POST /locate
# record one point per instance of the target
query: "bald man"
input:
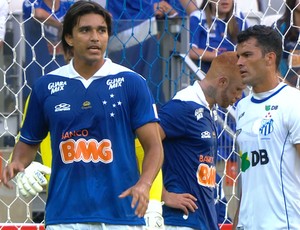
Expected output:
(189, 138)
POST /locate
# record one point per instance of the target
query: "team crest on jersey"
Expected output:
(56, 86)
(266, 125)
(199, 113)
(115, 83)
(86, 105)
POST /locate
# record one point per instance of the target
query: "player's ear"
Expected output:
(223, 81)
(270, 58)
(69, 39)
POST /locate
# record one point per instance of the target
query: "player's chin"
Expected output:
(225, 104)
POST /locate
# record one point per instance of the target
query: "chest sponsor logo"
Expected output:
(206, 175)
(57, 86)
(114, 83)
(86, 150)
(259, 157)
(206, 172)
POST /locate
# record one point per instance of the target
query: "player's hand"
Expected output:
(183, 201)
(9, 172)
(31, 180)
(153, 216)
(140, 197)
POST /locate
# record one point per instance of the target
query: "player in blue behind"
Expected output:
(190, 145)
(93, 109)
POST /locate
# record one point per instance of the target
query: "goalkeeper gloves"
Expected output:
(30, 181)
(153, 216)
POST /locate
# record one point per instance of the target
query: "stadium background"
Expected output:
(177, 71)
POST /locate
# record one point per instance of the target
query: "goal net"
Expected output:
(32, 48)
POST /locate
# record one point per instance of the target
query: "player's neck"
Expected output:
(87, 69)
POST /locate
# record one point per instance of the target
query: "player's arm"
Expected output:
(150, 140)
(153, 216)
(31, 180)
(236, 216)
(23, 155)
(184, 201)
(156, 188)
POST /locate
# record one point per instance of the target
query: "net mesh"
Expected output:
(23, 59)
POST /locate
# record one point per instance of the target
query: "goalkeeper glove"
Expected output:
(30, 181)
(153, 216)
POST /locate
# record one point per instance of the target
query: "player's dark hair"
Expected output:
(73, 15)
(267, 38)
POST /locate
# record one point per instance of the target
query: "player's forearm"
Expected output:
(152, 164)
(150, 140)
(236, 216)
(24, 154)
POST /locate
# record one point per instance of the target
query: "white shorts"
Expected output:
(93, 226)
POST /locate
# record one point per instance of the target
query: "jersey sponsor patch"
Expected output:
(259, 157)
(114, 83)
(86, 150)
(199, 113)
(62, 107)
(56, 86)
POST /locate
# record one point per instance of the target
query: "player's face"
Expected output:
(89, 40)
(232, 93)
(252, 62)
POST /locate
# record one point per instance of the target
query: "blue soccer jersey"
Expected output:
(190, 149)
(92, 125)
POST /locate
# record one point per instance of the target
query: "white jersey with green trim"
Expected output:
(268, 127)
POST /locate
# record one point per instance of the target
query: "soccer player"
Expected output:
(190, 145)
(268, 135)
(93, 109)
